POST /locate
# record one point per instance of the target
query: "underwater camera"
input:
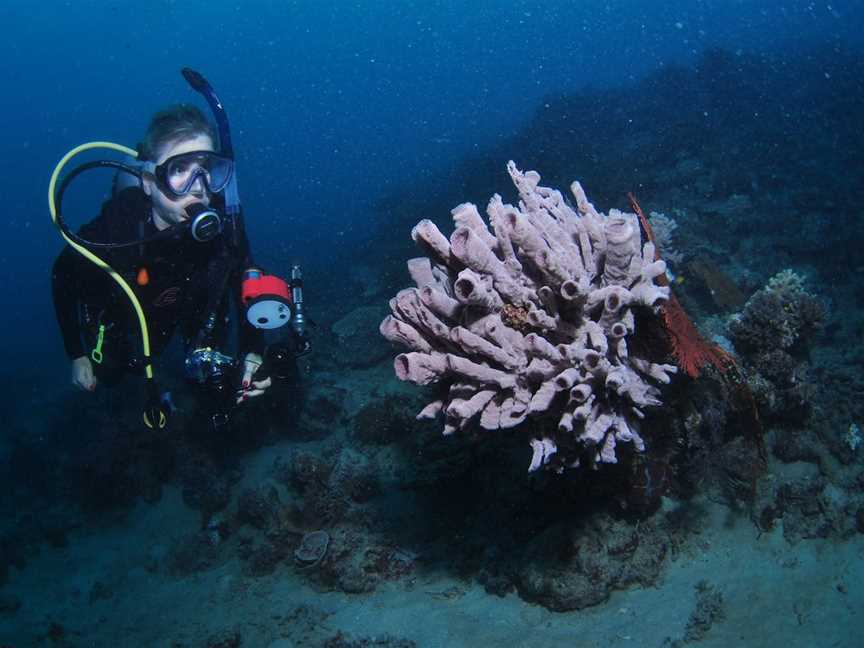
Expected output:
(275, 307)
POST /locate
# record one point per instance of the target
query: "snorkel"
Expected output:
(155, 414)
(232, 195)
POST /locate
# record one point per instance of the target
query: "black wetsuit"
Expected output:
(181, 275)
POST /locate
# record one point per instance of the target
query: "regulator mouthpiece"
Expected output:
(205, 224)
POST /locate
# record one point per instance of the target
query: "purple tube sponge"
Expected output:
(530, 316)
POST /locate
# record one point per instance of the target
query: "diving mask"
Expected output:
(180, 174)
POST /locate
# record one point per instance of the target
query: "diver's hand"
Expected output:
(82, 374)
(251, 388)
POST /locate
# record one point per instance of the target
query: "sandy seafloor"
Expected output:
(775, 594)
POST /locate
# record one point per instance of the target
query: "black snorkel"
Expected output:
(200, 85)
(233, 209)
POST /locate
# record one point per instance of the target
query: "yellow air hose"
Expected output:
(90, 256)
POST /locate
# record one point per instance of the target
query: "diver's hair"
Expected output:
(174, 124)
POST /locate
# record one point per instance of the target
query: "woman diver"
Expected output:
(175, 245)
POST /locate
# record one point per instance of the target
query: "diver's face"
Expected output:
(170, 210)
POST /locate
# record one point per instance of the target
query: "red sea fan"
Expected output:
(692, 352)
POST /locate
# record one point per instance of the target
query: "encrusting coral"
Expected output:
(532, 316)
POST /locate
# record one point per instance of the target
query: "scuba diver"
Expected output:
(169, 252)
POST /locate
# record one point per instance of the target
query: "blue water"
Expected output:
(332, 103)
(334, 106)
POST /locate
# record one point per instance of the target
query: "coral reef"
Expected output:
(590, 562)
(357, 561)
(664, 234)
(535, 317)
(330, 490)
(773, 333)
(312, 514)
(809, 504)
(258, 507)
(780, 316)
(205, 483)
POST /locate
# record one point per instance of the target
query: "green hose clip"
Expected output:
(96, 354)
